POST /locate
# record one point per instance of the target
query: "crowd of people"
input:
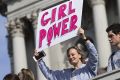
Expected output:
(82, 69)
(24, 74)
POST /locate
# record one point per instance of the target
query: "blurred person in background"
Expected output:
(114, 39)
(26, 74)
(11, 77)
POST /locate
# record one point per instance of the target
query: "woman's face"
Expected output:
(73, 56)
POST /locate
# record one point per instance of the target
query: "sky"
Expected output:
(4, 57)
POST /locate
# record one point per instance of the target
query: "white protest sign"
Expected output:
(58, 24)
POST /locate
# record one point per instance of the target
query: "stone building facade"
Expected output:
(22, 17)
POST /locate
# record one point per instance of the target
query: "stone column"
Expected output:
(118, 4)
(34, 17)
(19, 52)
(100, 23)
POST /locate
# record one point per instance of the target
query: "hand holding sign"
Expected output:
(38, 55)
(81, 33)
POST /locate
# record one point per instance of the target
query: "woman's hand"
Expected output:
(36, 53)
(81, 33)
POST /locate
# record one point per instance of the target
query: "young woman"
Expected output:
(80, 71)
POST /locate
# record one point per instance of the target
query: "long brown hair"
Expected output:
(27, 74)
